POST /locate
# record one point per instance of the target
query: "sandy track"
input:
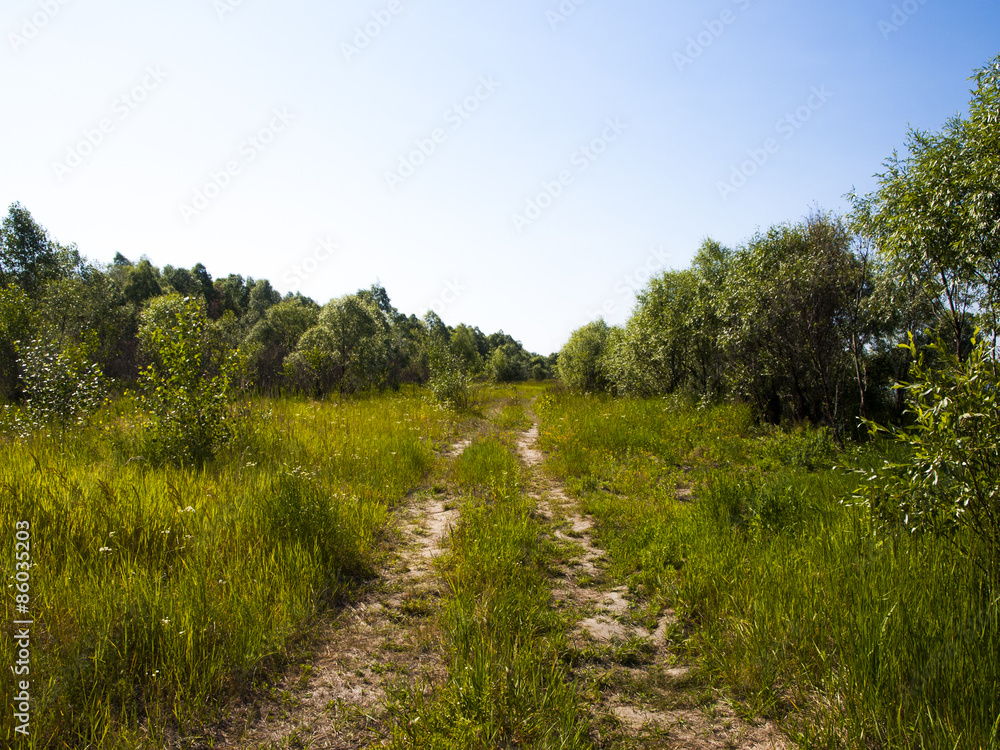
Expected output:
(645, 696)
(642, 695)
(337, 699)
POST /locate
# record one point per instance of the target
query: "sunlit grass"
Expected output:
(848, 638)
(507, 683)
(157, 591)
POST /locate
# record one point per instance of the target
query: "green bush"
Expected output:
(950, 484)
(581, 364)
(188, 387)
(449, 379)
(60, 386)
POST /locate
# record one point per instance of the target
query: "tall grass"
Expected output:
(507, 684)
(158, 591)
(850, 638)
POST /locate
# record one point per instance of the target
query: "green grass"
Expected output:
(848, 638)
(507, 685)
(512, 416)
(159, 591)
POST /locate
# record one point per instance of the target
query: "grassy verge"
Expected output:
(508, 685)
(849, 638)
(158, 591)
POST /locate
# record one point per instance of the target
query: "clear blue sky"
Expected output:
(627, 117)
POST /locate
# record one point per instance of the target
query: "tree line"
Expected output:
(811, 320)
(115, 319)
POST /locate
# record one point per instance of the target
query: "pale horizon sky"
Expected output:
(517, 166)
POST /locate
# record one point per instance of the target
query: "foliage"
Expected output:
(450, 381)
(936, 215)
(950, 479)
(188, 386)
(508, 363)
(787, 299)
(276, 335)
(464, 344)
(581, 360)
(672, 341)
(28, 256)
(91, 310)
(777, 322)
(347, 349)
(60, 386)
(15, 325)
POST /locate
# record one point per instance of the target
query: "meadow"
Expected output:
(162, 594)
(158, 592)
(790, 596)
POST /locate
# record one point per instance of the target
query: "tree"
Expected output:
(261, 297)
(60, 385)
(142, 283)
(349, 347)
(672, 339)
(187, 315)
(936, 216)
(436, 328)
(581, 360)
(509, 363)
(15, 325)
(28, 256)
(540, 368)
(464, 346)
(276, 336)
(91, 311)
(707, 357)
(449, 379)
(654, 353)
(233, 294)
(788, 293)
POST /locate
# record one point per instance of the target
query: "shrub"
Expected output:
(449, 380)
(951, 481)
(188, 387)
(60, 386)
(581, 365)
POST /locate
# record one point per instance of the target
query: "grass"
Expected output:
(847, 637)
(507, 684)
(157, 592)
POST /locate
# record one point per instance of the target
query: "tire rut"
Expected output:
(644, 695)
(337, 698)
